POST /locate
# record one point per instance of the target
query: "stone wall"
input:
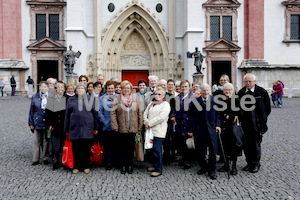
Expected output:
(290, 78)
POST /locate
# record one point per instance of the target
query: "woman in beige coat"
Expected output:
(156, 118)
(126, 119)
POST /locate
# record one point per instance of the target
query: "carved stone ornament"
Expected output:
(136, 61)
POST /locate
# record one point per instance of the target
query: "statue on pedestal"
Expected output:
(69, 59)
(198, 59)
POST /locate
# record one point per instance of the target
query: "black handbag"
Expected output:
(238, 132)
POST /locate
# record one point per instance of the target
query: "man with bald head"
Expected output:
(254, 121)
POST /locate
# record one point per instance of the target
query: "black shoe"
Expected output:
(46, 162)
(212, 175)
(222, 169)
(255, 169)
(123, 170)
(202, 171)
(130, 169)
(56, 165)
(186, 166)
(35, 163)
(233, 171)
(247, 168)
(108, 166)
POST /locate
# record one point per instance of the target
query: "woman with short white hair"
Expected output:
(227, 118)
(156, 117)
(153, 80)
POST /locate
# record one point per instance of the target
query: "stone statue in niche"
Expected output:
(198, 59)
(69, 59)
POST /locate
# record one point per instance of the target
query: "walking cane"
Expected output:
(223, 152)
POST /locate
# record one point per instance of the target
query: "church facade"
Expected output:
(137, 38)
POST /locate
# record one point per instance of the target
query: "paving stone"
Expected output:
(278, 177)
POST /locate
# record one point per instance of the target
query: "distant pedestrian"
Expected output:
(13, 85)
(30, 83)
(279, 94)
(2, 84)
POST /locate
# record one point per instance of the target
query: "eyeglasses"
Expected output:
(158, 94)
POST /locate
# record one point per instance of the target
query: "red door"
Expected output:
(135, 76)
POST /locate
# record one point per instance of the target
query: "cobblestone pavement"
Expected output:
(277, 179)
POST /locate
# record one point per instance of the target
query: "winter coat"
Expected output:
(182, 114)
(157, 116)
(36, 113)
(56, 119)
(80, 124)
(259, 116)
(13, 82)
(202, 121)
(119, 116)
(105, 103)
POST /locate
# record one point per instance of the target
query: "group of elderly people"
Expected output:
(173, 115)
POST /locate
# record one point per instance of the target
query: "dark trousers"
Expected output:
(81, 153)
(252, 147)
(108, 143)
(126, 144)
(158, 153)
(201, 152)
(13, 91)
(57, 146)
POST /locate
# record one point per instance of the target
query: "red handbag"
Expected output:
(97, 156)
(67, 158)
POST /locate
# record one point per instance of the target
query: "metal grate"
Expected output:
(227, 27)
(295, 31)
(54, 27)
(214, 28)
(40, 26)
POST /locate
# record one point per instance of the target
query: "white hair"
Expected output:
(249, 74)
(114, 79)
(152, 77)
(162, 80)
(177, 83)
(204, 85)
(229, 84)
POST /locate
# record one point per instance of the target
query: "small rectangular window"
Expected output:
(214, 28)
(54, 26)
(295, 30)
(227, 27)
(40, 26)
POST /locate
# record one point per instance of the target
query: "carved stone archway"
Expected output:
(135, 18)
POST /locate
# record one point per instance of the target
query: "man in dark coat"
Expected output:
(13, 85)
(254, 122)
(204, 124)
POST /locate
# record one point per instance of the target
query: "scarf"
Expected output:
(44, 100)
(143, 93)
(155, 102)
(127, 102)
(70, 94)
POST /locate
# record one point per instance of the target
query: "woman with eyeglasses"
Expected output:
(126, 120)
(156, 118)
